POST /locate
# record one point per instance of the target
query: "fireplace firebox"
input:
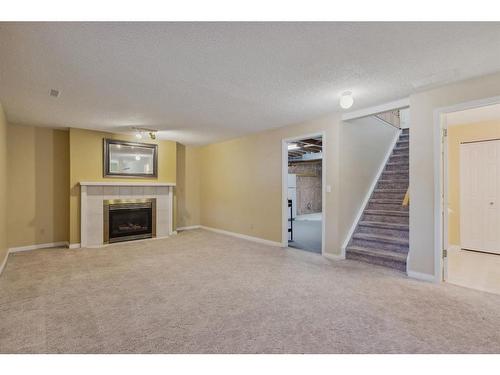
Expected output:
(129, 219)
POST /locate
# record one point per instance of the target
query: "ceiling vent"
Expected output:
(54, 93)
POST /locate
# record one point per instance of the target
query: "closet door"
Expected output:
(479, 196)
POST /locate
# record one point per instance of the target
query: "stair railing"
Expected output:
(406, 200)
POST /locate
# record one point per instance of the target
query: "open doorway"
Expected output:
(471, 197)
(303, 166)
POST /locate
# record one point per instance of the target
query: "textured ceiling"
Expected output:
(202, 82)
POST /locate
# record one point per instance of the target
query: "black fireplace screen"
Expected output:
(128, 221)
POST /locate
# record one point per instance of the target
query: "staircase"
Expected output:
(382, 235)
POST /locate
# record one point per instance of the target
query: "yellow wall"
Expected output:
(456, 135)
(3, 186)
(38, 179)
(188, 186)
(86, 164)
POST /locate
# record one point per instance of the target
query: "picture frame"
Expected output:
(129, 159)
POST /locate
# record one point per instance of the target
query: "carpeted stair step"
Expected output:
(404, 138)
(386, 216)
(385, 201)
(391, 190)
(389, 193)
(396, 176)
(397, 173)
(372, 240)
(377, 256)
(392, 183)
(387, 204)
(384, 229)
(401, 151)
(399, 158)
(396, 166)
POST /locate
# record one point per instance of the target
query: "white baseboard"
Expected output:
(19, 249)
(74, 246)
(36, 247)
(334, 256)
(4, 262)
(242, 236)
(370, 192)
(189, 227)
(421, 276)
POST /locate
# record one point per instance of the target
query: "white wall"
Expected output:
(422, 204)
(363, 147)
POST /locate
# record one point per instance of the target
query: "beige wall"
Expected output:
(38, 178)
(365, 143)
(86, 164)
(423, 105)
(3, 186)
(456, 135)
(188, 186)
(241, 179)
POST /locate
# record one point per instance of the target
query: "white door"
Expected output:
(480, 196)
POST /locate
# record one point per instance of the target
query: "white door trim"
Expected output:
(441, 177)
(284, 187)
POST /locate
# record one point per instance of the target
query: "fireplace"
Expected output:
(129, 219)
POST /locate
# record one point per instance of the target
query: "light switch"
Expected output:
(328, 188)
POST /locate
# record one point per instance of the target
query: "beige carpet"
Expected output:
(201, 292)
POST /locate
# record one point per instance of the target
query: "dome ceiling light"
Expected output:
(346, 100)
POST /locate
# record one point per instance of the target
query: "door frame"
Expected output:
(441, 180)
(284, 186)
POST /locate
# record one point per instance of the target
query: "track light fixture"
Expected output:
(139, 133)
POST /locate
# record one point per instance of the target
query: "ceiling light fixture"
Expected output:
(140, 132)
(346, 100)
(137, 157)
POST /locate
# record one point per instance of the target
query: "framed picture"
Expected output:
(130, 159)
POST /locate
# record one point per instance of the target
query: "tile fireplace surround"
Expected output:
(93, 195)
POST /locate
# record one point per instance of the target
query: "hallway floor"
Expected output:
(474, 269)
(306, 235)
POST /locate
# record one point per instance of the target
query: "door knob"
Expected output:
(492, 203)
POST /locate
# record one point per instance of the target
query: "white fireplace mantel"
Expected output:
(119, 183)
(94, 193)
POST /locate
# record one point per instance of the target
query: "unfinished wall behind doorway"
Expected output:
(308, 186)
